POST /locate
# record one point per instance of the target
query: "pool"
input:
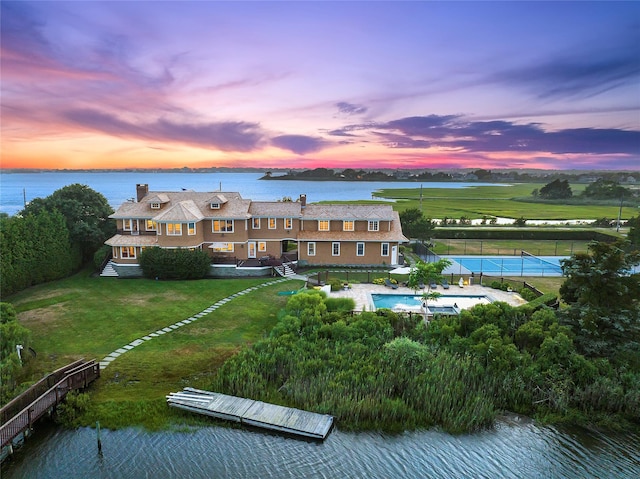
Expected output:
(506, 265)
(445, 304)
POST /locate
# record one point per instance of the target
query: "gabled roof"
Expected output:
(392, 234)
(159, 198)
(183, 211)
(219, 199)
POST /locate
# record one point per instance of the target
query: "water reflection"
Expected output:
(508, 451)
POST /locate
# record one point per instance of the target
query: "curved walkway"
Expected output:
(137, 342)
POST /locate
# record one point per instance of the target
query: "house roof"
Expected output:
(198, 206)
(281, 209)
(348, 212)
(183, 211)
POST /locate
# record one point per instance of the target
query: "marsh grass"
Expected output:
(502, 201)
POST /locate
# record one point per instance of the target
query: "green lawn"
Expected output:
(501, 201)
(85, 316)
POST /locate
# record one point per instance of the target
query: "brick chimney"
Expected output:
(142, 191)
(303, 201)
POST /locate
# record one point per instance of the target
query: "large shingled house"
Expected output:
(245, 237)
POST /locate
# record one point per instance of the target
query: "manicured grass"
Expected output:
(90, 317)
(501, 201)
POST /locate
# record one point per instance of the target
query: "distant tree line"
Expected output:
(52, 237)
(601, 189)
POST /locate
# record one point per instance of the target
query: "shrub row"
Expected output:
(523, 234)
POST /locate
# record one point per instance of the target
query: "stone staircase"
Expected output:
(109, 271)
(285, 270)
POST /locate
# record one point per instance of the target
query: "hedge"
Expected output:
(523, 234)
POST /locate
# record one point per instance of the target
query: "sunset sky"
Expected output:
(363, 84)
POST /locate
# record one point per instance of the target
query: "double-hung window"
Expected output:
(223, 226)
(151, 225)
(262, 246)
(311, 248)
(359, 248)
(374, 225)
(255, 223)
(174, 229)
(128, 252)
(127, 224)
(348, 225)
(191, 228)
(335, 248)
(323, 225)
(272, 223)
(288, 223)
(384, 249)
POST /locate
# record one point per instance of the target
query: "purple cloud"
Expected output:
(300, 144)
(350, 108)
(225, 136)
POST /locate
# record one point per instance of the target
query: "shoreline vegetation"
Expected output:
(370, 371)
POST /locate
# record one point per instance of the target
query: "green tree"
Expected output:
(603, 298)
(424, 273)
(556, 190)
(634, 233)
(415, 225)
(86, 213)
(180, 263)
(606, 190)
(12, 334)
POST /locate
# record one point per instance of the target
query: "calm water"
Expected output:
(509, 451)
(119, 187)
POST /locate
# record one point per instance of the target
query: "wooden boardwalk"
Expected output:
(253, 413)
(19, 415)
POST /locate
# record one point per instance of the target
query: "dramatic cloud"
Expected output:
(453, 132)
(300, 144)
(224, 136)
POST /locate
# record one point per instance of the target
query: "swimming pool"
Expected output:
(506, 265)
(449, 304)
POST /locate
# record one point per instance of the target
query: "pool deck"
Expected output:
(361, 293)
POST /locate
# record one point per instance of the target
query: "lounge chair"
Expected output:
(389, 284)
(433, 285)
(421, 285)
(445, 284)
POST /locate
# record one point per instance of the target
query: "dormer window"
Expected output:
(155, 206)
(215, 206)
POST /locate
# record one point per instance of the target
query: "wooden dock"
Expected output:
(253, 413)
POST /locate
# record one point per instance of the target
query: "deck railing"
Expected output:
(76, 375)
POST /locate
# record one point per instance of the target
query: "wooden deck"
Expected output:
(253, 413)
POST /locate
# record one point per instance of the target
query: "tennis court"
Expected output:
(525, 265)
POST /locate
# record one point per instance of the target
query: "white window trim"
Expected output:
(382, 246)
(122, 248)
(288, 223)
(124, 224)
(155, 206)
(275, 223)
(333, 248)
(358, 248)
(262, 246)
(311, 248)
(324, 221)
(254, 222)
(154, 225)
(215, 206)
(189, 228)
(226, 250)
(344, 225)
(179, 228)
(374, 225)
(213, 226)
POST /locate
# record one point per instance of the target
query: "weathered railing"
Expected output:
(77, 375)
